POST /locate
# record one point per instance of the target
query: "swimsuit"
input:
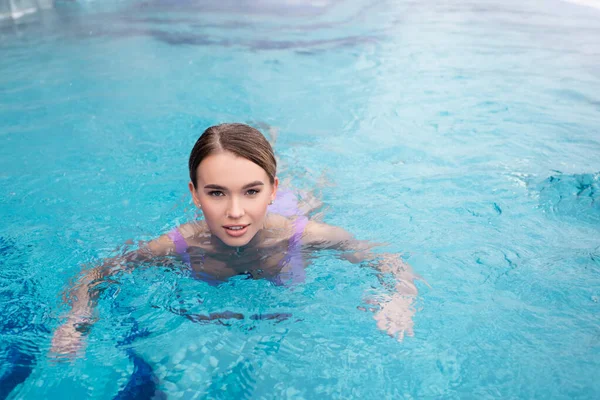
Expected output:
(292, 265)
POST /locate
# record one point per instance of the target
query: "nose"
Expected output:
(235, 208)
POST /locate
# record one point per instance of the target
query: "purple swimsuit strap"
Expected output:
(296, 239)
(292, 270)
(181, 245)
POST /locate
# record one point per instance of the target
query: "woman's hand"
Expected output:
(67, 341)
(395, 312)
(395, 316)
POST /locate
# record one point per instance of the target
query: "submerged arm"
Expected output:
(396, 310)
(84, 294)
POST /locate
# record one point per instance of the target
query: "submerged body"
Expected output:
(233, 182)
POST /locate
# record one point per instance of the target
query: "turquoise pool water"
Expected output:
(465, 135)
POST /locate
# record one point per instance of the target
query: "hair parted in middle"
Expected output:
(240, 139)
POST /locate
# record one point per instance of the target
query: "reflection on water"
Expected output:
(263, 25)
(15, 9)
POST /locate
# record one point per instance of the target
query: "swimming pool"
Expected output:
(464, 135)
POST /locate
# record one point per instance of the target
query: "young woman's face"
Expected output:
(233, 193)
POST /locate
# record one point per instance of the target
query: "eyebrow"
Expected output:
(249, 185)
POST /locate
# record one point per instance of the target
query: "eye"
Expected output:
(252, 192)
(216, 193)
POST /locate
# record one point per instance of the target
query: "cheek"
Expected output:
(259, 208)
(210, 210)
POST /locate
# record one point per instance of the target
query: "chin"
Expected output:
(236, 242)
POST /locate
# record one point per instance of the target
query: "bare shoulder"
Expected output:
(193, 229)
(164, 245)
(194, 233)
(317, 233)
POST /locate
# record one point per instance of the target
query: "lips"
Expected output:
(236, 230)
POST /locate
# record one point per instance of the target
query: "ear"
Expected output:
(275, 186)
(194, 194)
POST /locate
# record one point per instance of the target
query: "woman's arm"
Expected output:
(396, 310)
(84, 294)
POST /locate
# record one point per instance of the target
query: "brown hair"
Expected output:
(239, 139)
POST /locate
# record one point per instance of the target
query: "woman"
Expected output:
(233, 181)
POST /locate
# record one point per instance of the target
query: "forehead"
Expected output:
(229, 170)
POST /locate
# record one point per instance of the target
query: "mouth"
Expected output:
(236, 230)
